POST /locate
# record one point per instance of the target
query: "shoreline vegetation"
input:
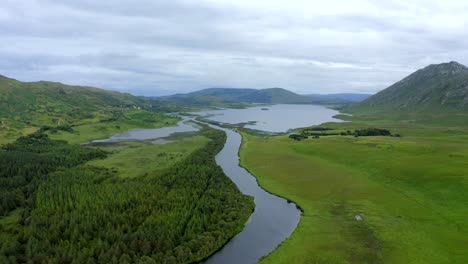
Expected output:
(363, 205)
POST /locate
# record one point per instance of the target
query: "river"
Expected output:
(274, 218)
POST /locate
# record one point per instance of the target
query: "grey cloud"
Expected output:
(161, 47)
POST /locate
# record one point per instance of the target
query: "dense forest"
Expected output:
(70, 212)
(30, 158)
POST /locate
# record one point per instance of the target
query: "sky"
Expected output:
(159, 47)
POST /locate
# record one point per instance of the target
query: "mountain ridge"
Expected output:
(214, 96)
(434, 88)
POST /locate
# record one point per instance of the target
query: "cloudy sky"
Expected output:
(156, 47)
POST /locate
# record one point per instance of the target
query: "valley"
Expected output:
(376, 181)
(233, 132)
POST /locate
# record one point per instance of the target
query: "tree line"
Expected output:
(316, 132)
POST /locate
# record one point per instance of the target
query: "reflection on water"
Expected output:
(278, 118)
(273, 220)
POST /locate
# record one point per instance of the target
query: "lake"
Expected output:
(151, 133)
(278, 118)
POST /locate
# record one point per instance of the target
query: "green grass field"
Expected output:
(411, 193)
(9, 133)
(133, 159)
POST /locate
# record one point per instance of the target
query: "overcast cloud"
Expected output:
(156, 47)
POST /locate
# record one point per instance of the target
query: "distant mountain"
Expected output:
(206, 97)
(342, 97)
(219, 96)
(435, 88)
(51, 103)
(275, 96)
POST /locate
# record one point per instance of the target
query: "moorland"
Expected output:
(373, 198)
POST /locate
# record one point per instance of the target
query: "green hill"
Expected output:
(276, 96)
(27, 106)
(226, 96)
(439, 88)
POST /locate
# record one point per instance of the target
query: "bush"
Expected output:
(371, 132)
(297, 137)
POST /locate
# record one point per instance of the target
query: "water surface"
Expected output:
(273, 220)
(152, 133)
(278, 118)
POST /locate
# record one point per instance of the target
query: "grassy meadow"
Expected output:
(410, 193)
(134, 159)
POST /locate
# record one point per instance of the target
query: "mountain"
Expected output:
(25, 105)
(434, 89)
(275, 96)
(342, 97)
(220, 96)
(206, 97)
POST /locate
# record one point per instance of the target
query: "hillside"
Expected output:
(223, 96)
(436, 88)
(275, 96)
(26, 106)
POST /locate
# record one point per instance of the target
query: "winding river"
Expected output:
(274, 218)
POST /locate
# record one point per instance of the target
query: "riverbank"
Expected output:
(272, 221)
(399, 187)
